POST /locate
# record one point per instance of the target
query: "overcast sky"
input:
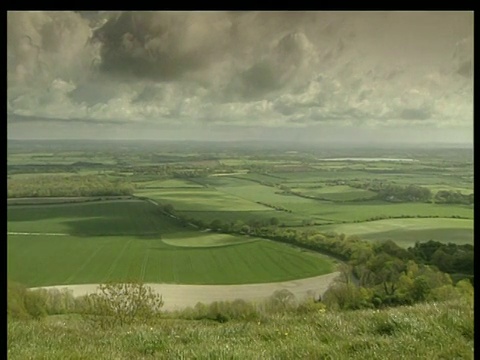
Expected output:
(303, 76)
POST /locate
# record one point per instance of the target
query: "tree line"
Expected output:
(67, 186)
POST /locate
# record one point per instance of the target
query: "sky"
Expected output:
(308, 76)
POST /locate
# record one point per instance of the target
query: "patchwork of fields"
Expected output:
(95, 241)
(232, 198)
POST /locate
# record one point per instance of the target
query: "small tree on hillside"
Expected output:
(123, 303)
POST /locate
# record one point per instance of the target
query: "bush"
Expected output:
(16, 301)
(222, 311)
(121, 304)
(36, 303)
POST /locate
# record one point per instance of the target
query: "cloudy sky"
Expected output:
(303, 76)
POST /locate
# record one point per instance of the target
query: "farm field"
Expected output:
(169, 183)
(405, 232)
(239, 188)
(201, 199)
(336, 192)
(98, 242)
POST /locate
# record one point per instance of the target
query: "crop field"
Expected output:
(232, 198)
(338, 212)
(169, 183)
(367, 210)
(463, 190)
(201, 199)
(405, 232)
(97, 242)
(336, 193)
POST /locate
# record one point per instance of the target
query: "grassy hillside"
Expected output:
(442, 330)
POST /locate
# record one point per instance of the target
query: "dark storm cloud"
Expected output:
(158, 46)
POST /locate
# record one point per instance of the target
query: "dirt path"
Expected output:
(181, 296)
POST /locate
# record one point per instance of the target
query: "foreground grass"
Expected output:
(424, 331)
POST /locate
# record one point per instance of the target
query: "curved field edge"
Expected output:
(124, 240)
(179, 296)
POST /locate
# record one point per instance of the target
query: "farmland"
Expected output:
(216, 193)
(105, 241)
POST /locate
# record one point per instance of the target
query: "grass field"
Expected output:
(336, 193)
(169, 183)
(231, 198)
(132, 239)
(405, 232)
(200, 200)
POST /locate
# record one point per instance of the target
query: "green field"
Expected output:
(336, 193)
(246, 188)
(200, 200)
(169, 183)
(120, 240)
(405, 232)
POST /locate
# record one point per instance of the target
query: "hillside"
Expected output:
(435, 330)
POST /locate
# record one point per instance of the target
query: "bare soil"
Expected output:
(178, 297)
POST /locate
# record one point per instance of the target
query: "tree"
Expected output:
(274, 221)
(216, 224)
(123, 303)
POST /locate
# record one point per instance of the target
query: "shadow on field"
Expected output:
(140, 220)
(118, 226)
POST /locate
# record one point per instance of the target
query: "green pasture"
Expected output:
(227, 194)
(253, 192)
(337, 193)
(464, 190)
(168, 183)
(201, 199)
(405, 232)
(121, 240)
(367, 210)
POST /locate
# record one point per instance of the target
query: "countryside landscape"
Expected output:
(305, 194)
(181, 214)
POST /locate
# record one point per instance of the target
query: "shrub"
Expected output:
(16, 301)
(121, 304)
(36, 303)
(280, 301)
